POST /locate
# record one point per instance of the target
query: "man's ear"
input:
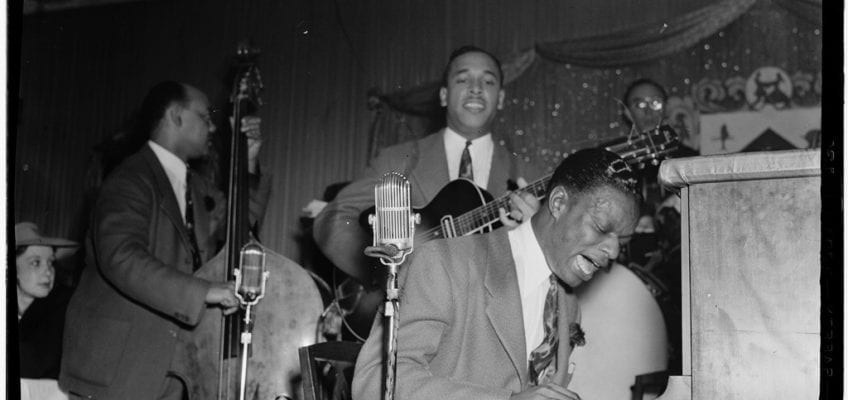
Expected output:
(443, 96)
(174, 115)
(501, 95)
(558, 202)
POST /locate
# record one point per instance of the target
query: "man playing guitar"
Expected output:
(472, 92)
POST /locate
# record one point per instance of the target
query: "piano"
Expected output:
(751, 242)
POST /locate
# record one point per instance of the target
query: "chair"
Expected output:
(653, 383)
(327, 369)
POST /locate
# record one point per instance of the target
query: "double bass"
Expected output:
(210, 357)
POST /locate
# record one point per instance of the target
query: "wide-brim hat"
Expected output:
(27, 234)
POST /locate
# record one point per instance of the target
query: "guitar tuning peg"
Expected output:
(655, 162)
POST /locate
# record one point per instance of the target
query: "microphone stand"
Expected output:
(393, 225)
(391, 313)
(391, 257)
(248, 295)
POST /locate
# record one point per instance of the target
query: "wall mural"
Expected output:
(771, 110)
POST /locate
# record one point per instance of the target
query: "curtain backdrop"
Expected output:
(330, 65)
(562, 95)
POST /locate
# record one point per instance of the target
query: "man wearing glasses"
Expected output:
(155, 222)
(645, 100)
(651, 244)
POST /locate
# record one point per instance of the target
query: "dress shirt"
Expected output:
(175, 169)
(533, 275)
(481, 155)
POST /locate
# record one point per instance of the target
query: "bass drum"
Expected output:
(625, 335)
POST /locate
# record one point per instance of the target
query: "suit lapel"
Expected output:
(500, 171)
(201, 216)
(166, 192)
(505, 301)
(431, 171)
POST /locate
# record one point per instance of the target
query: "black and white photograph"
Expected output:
(424, 200)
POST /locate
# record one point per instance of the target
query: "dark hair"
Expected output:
(644, 81)
(470, 49)
(625, 114)
(20, 250)
(588, 169)
(158, 99)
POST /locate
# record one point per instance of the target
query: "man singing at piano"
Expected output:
(494, 316)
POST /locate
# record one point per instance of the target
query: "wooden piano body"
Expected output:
(751, 242)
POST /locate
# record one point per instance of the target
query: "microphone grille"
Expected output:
(393, 212)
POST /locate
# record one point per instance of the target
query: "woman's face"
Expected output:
(35, 271)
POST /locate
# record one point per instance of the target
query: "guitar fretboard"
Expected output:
(488, 213)
(485, 215)
(647, 146)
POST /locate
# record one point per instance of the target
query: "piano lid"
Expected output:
(679, 172)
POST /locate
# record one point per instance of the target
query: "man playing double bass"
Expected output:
(155, 222)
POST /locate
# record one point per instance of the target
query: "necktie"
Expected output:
(465, 170)
(189, 220)
(543, 357)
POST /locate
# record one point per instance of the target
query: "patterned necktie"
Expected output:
(465, 170)
(189, 220)
(543, 358)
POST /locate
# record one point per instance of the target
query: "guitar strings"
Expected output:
(486, 214)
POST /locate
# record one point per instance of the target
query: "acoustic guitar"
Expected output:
(463, 208)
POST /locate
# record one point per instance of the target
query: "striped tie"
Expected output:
(465, 170)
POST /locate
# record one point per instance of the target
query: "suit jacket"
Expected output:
(138, 289)
(460, 332)
(337, 230)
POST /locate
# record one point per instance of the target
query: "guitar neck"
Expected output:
(488, 214)
(635, 150)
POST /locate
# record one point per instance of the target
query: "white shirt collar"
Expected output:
(533, 274)
(481, 150)
(531, 266)
(175, 169)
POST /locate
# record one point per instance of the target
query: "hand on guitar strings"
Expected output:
(223, 295)
(522, 205)
(250, 127)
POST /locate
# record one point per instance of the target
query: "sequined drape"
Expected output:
(562, 95)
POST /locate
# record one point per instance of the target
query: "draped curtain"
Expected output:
(84, 71)
(646, 42)
(561, 95)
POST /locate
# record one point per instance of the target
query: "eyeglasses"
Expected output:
(653, 103)
(207, 116)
